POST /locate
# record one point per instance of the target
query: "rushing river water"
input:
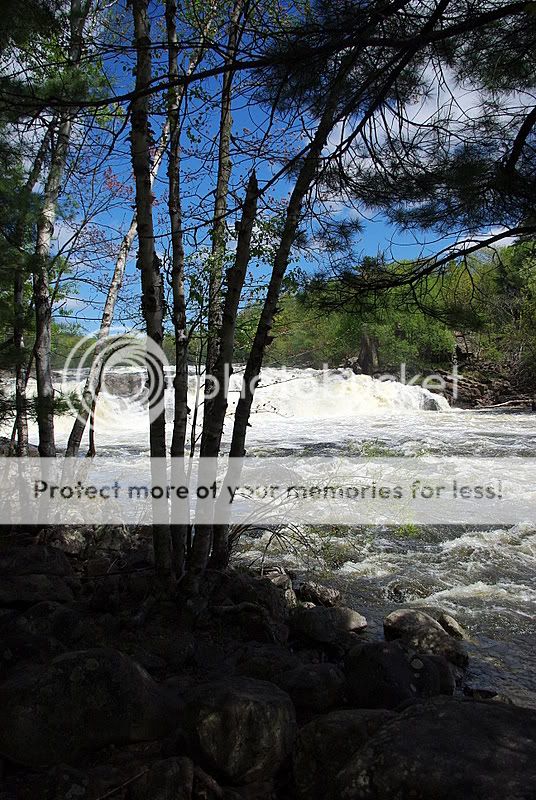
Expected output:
(485, 577)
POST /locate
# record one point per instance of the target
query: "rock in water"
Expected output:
(78, 703)
(326, 625)
(444, 749)
(242, 729)
(317, 593)
(385, 674)
(421, 632)
(324, 746)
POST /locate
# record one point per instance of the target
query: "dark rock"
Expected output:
(20, 646)
(33, 560)
(6, 448)
(98, 566)
(25, 591)
(278, 576)
(424, 634)
(384, 675)
(430, 404)
(317, 593)
(325, 745)
(326, 625)
(79, 703)
(168, 779)
(265, 662)
(67, 783)
(315, 687)
(52, 619)
(241, 729)
(487, 694)
(443, 749)
(68, 539)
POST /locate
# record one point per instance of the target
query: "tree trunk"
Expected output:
(93, 381)
(45, 231)
(213, 429)
(262, 335)
(21, 417)
(220, 203)
(152, 300)
(180, 508)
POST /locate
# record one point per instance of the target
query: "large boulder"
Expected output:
(326, 625)
(421, 632)
(240, 729)
(33, 560)
(24, 591)
(443, 749)
(317, 593)
(314, 687)
(386, 674)
(325, 745)
(264, 661)
(167, 779)
(78, 703)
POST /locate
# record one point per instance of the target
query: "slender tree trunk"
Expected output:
(45, 231)
(93, 381)
(220, 203)
(213, 429)
(262, 335)
(19, 317)
(151, 277)
(179, 507)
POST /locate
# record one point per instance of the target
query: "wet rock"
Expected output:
(168, 779)
(452, 626)
(314, 687)
(430, 403)
(326, 625)
(384, 675)
(487, 694)
(278, 576)
(34, 560)
(325, 745)
(25, 591)
(421, 632)
(78, 703)
(317, 593)
(239, 728)
(443, 749)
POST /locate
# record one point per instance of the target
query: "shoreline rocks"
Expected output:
(263, 688)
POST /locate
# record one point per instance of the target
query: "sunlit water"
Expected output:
(486, 578)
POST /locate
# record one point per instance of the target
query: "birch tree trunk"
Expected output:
(93, 381)
(45, 231)
(21, 416)
(152, 300)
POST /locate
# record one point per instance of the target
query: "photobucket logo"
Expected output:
(127, 365)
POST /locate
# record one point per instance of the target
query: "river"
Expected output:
(485, 577)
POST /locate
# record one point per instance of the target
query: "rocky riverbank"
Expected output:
(262, 688)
